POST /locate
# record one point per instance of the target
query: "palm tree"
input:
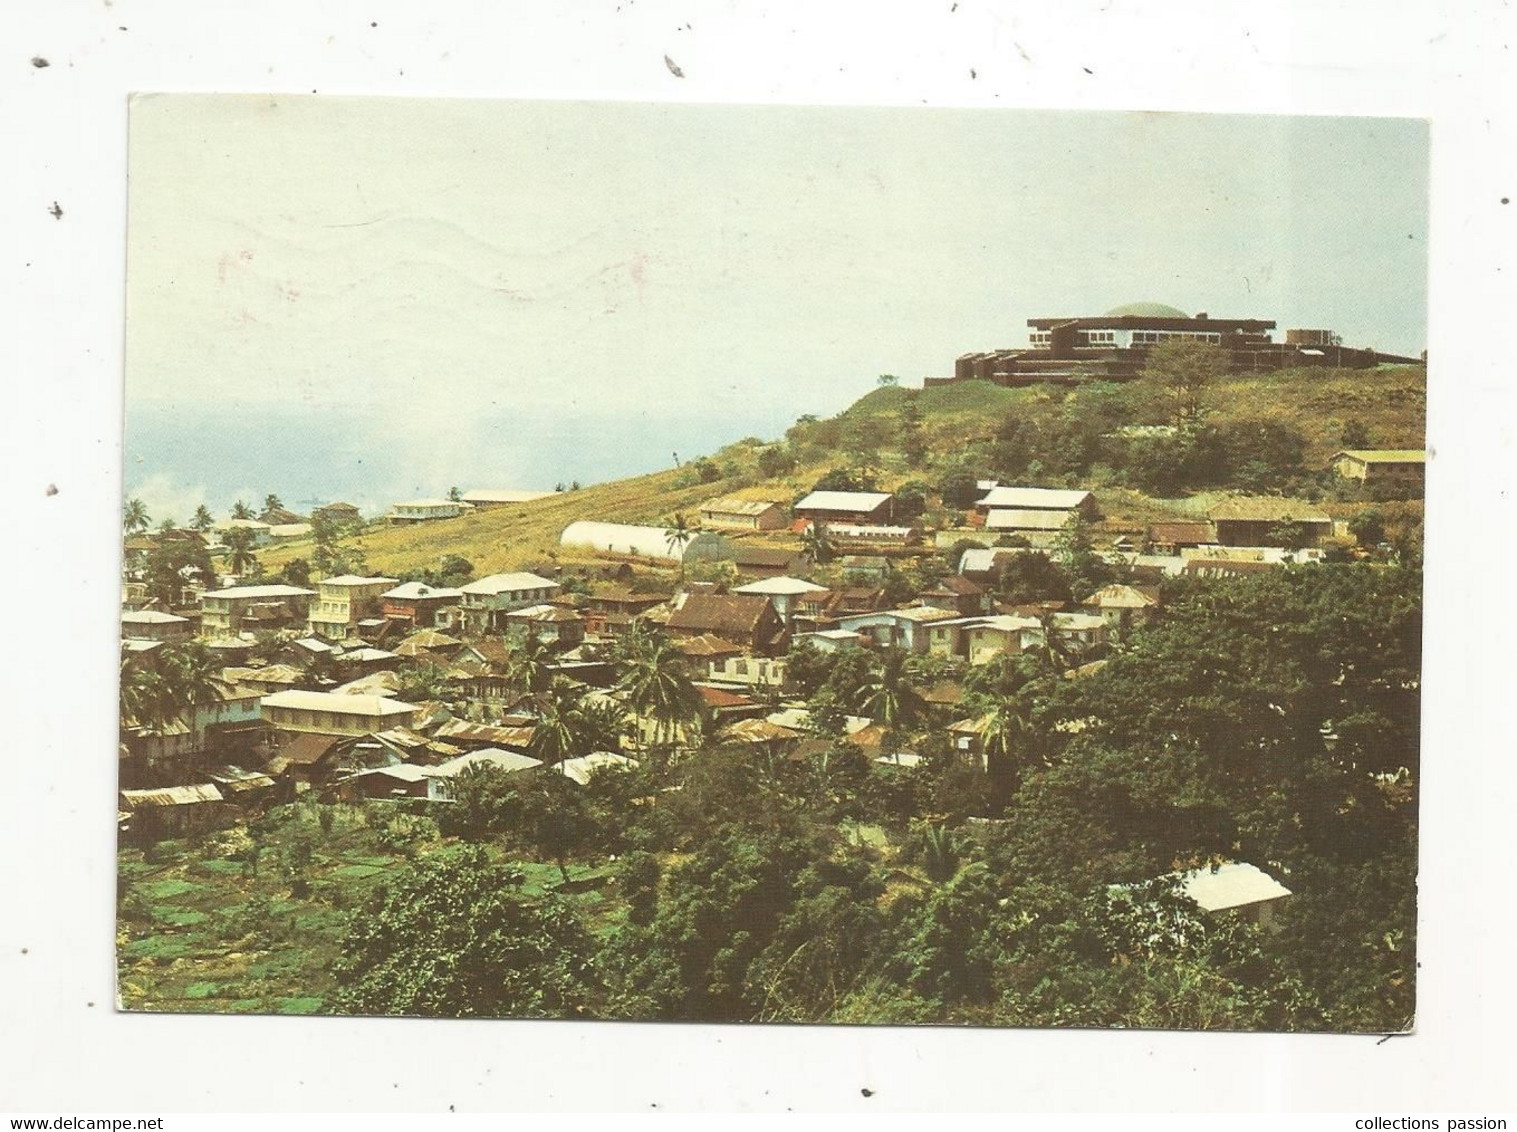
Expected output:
(658, 687)
(134, 517)
(241, 510)
(239, 541)
(196, 680)
(555, 737)
(203, 520)
(889, 697)
(816, 542)
(529, 672)
(601, 724)
(677, 537)
(272, 502)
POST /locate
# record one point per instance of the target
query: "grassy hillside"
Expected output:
(958, 426)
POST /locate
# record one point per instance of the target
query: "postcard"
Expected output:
(771, 564)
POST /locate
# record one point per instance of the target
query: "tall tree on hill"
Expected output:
(528, 666)
(196, 678)
(134, 517)
(203, 520)
(241, 510)
(239, 541)
(272, 502)
(890, 698)
(1181, 371)
(555, 736)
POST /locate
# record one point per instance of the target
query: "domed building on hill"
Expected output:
(1113, 347)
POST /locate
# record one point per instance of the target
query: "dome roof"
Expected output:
(1145, 310)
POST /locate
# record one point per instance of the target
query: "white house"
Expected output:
(425, 510)
(784, 593)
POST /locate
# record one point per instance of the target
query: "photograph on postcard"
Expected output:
(771, 564)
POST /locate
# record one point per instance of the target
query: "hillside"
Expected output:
(958, 430)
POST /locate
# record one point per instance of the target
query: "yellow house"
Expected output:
(336, 713)
(342, 602)
(1403, 467)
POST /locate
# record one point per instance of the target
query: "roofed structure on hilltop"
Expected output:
(1255, 521)
(1114, 347)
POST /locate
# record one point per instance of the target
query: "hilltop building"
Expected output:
(1114, 346)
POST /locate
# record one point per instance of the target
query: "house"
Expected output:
(443, 779)
(1245, 521)
(610, 612)
(487, 736)
(484, 498)
(257, 531)
(486, 602)
(896, 628)
(280, 517)
(343, 602)
(580, 769)
(1039, 499)
(830, 640)
(415, 604)
(749, 620)
(957, 593)
(752, 671)
(984, 639)
(429, 644)
(645, 542)
(767, 561)
(152, 625)
(707, 653)
(1172, 537)
(227, 612)
(425, 511)
(1029, 524)
(1124, 607)
(861, 508)
(342, 516)
(1235, 887)
(784, 592)
(873, 533)
(865, 568)
(552, 624)
(396, 780)
(1401, 468)
(743, 514)
(728, 707)
(984, 563)
(331, 713)
(172, 811)
(281, 533)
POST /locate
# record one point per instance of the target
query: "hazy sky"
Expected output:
(436, 258)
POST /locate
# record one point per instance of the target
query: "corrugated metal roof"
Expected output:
(170, 796)
(842, 501)
(1232, 884)
(781, 586)
(338, 703)
(508, 761)
(246, 593)
(754, 507)
(412, 591)
(1035, 498)
(508, 583)
(579, 769)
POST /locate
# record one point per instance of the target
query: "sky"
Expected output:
(403, 295)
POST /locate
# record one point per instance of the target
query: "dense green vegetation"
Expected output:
(1271, 719)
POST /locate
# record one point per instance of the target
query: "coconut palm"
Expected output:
(889, 697)
(203, 520)
(196, 680)
(241, 510)
(528, 671)
(134, 517)
(239, 541)
(272, 502)
(602, 724)
(556, 736)
(677, 537)
(658, 687)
